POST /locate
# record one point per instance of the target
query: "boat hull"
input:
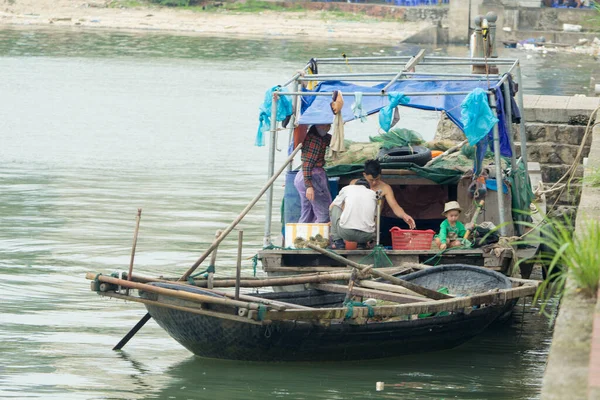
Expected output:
(304, 341)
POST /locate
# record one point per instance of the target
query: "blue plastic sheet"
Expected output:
(477, 116)
(284, 109)
(386, 113)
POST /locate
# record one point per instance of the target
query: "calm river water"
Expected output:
(94, 125)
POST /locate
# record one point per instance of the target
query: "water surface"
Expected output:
(93, 125)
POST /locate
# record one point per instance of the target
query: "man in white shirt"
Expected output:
(352, 215)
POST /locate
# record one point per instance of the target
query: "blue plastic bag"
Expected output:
(476, 116)
(386, 113)
(284, 109)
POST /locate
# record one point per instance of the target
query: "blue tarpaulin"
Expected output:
(319, 111)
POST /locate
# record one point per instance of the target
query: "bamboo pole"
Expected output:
(277, 305)
(444, 154)
(459, 304)
(213, 260)
(238, 269)
(186, 309)
(373, 293)
(241, 215)
(387, 287)
(135, 237)
(200, 298)
(415, 288)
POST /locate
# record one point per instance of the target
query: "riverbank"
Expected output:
(301, 25)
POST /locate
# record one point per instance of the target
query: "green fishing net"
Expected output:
(377, 258)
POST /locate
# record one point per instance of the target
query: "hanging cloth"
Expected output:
(357, 107)
(387, 113)
(284, 110)
(476, 116)
(337, 140)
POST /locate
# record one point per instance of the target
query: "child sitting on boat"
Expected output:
(452, 231)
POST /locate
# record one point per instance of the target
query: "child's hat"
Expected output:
(451, 205)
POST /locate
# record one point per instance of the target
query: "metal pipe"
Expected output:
(385, 74)
(375, 79)
(522, 134)
(498, 165)
(296, 76)
(376, 58)
(509, 62)
(508, 117)
(373, 94)
(270, 170)
(292, 121)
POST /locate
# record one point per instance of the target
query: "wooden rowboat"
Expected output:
(322, 328)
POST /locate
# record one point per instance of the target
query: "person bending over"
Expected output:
(312, 184)
(372, 174)
(353, 214)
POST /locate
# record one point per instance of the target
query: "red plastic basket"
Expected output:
(404, 239)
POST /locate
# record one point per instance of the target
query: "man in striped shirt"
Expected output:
(312, 183)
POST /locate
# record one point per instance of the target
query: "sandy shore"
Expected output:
(309, 25)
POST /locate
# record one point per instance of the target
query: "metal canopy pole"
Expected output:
(498, 164)
(522, 134)
(409, 65)
(271, 170)
(293, 119)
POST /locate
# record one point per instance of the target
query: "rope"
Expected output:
(262, 310)
(96, 283)
(211, 268)
(351, 304)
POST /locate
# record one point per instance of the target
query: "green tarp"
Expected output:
(441, 176)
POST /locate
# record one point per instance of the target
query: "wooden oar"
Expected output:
(432, 294)
(215, 244)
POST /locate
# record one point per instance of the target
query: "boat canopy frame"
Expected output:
(406, 73)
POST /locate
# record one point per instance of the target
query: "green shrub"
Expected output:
(576, 257)
(172, 3)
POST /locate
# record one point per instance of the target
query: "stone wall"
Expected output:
(555, 127)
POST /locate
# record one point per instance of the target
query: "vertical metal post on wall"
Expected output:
(498, 165)
(271, 170)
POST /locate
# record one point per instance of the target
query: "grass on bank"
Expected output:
(567, 255)
(248, 6)
(593, 178)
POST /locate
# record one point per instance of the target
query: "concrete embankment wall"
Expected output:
(573, 368)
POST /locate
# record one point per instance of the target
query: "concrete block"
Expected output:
(552, 109)
(583, 105)
(530, 100)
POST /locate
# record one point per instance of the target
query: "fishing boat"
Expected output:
(421, 185)
(319, 304)
(319, 324)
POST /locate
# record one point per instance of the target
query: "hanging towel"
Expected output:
(357, 107)
(476, 116)
(284, 109)
(337, 140)
(386, 114)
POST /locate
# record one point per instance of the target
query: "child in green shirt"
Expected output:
(451, 230)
